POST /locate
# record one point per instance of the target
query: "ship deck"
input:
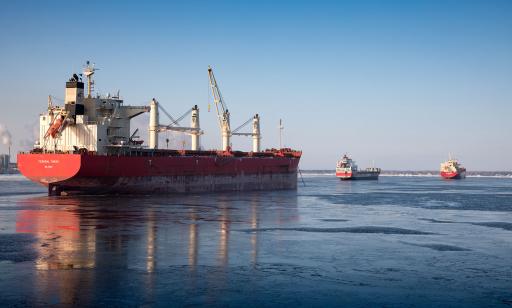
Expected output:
(142, 152)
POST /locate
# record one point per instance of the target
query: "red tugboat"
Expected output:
(452, 169)
(346, 169)
(86, 146)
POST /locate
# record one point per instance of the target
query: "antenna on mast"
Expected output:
(89, 70)
(50, 103)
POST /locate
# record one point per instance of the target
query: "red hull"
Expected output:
(344, 175)
(147, 174)
(453, 175)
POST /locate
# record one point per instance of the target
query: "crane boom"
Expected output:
(224, 122)
(222, 111)
(220, 105)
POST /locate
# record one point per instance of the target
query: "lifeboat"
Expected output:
(54, 128)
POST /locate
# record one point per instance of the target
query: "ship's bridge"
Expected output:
(90, 123)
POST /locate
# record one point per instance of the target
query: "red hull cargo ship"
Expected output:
(86, 146)
(452, 170)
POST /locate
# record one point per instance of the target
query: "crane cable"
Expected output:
(168, 114)
(208, 97)
(241, 126)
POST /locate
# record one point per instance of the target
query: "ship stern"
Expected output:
(48, 169)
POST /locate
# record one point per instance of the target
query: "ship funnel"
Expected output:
(153, 124)
(74, 98)
(74, 90)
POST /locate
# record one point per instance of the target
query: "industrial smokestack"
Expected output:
(6, 138)
(5, 135)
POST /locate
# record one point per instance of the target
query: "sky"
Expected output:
(398, 83)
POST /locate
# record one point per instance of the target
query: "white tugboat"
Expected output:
(346, 169)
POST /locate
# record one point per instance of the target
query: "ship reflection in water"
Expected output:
(393, 242)
(85, 244)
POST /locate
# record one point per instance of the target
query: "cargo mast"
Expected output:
(154, 125)
(88, 72)
(224, 120)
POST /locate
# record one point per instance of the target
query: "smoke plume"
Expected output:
(5, 135)
(32, 130)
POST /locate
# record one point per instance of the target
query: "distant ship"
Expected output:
(452, 169)
(346, 169)
(87, 146)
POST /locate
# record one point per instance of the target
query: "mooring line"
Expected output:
(300, 172)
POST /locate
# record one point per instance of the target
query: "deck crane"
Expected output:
(224, 119)
(154, 125)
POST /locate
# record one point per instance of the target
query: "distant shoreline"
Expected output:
(504, 174)
(398, 173)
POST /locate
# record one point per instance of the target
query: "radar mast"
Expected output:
(89, 70)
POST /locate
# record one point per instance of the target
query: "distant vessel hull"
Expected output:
(346, 169)
(99, 174)
(453, 175)
(360, 175)
(452, 169)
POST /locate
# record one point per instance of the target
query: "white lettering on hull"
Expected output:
(48, 163)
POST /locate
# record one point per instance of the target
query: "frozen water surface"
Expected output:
(399, 241)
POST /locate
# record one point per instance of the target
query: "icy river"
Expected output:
(399, 241)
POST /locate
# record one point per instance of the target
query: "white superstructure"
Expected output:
(86, 123)
(101, 124)
(346, 165)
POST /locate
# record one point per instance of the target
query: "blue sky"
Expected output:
(402, 83)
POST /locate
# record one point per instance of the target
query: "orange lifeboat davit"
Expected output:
(54, 128)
